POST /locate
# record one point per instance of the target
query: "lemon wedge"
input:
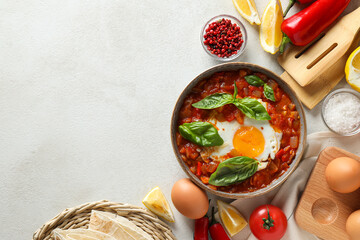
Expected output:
(352, 70)
(270, 29)
(247, 10)
(231, 218)
(156, 202)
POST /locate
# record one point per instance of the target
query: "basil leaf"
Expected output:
(201, 133)
(233, 170)
(235, 91)
(269, 93)
(252, 108)
(214, 101)
(254, 80)
(245, 109)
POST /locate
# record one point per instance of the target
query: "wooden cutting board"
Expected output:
(322, 211)
(314, 92)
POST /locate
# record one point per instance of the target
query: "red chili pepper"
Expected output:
(285, 157)
(198, 170)
(201, 228)
(306, 25)
(217, 232)
(292, 2)
(279, 153)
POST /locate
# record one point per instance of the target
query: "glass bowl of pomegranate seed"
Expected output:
(224, 37)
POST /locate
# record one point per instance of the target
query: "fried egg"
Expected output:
(254, 138)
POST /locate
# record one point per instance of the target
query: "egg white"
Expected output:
(272, 140)
(227, 131)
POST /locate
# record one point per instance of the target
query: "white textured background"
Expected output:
(87, 90)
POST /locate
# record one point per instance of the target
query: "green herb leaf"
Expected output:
(233, 170)
(269, 93)
(245, 109)
(214, 101)
(252, 108)
(235, 91)
(254, 80)
(201, 133)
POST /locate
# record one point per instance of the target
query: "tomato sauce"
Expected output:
(284, 118)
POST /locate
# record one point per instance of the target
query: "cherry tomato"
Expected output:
(268, 222)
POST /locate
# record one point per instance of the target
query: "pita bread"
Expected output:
(116, 226)
(80, 234)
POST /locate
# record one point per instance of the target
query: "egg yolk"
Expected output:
(248, 141)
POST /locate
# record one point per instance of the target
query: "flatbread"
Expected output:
(80, 234)
(116, 226)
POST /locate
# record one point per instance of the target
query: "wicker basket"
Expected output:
(78, 217)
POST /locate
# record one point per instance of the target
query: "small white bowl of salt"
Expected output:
(341, 111)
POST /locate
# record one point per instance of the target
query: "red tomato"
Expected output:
(268, 222)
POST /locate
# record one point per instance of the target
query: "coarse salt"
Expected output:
(342, 113)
